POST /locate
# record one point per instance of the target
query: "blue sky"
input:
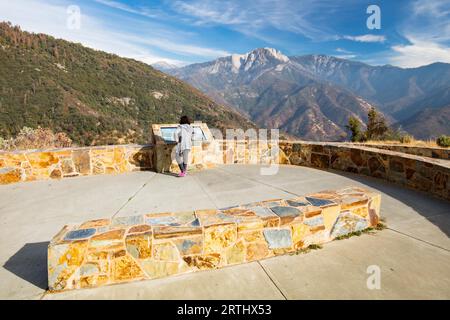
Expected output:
(412, 33)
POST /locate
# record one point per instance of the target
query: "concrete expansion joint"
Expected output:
(418, 239)
(271, 279)
(132, 197)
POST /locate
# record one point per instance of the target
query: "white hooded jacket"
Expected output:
(186, 132)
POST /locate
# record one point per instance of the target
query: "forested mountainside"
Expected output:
(95, 97)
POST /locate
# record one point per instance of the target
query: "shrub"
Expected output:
(39, 138)
(443, 141)
(354, 126)
(376, 126)
(2, 144)
(407, 138)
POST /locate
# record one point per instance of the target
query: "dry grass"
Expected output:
(39, 138)
(413, 143)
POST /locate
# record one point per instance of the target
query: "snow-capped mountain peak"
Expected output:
(277, 54)
(257, 57)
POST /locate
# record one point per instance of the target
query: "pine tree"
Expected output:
(354, 126)
(376, 125)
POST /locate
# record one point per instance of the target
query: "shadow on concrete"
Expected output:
(432, 208)
(30, 264)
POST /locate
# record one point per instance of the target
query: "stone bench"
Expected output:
(122, 249)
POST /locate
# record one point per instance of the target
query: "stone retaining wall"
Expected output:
(436, 152)
(71, 162)
(108, 251)
(417, 172)
(420, 173)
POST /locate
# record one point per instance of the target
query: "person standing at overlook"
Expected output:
(183, 136)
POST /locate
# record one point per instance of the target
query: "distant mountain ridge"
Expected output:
(93, 96)
(437, 121)
(312, 96)
(163, 65)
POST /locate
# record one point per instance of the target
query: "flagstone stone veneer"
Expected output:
(33, 165)
(416, 172)
(155, 245)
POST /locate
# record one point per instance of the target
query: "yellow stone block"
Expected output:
(75, 254)
(361, 211)
(202, 262)
(330, 215)
(251, 236)
(165, 251)
(374, 209)
(257, 250)
(236, 253)
(139, 246)
(251, 225)
(157, 269)
(10, 176)
(299, 233)
(13, 160)
(40, 160)
(125, 268)
(218, 237)
(120, 161)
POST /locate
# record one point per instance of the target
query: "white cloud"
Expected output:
(435, 8)
(345, 56)
(420, 53)
(179, 48)
(118, 5)
(342, 50)
(46, 17)
(427, 30)
(366, 38)
(142, 11)
(306, 17)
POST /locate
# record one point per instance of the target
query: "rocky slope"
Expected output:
(277, 92)
(312, 96)
(437, 123)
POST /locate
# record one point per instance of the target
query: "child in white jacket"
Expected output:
(183, 137)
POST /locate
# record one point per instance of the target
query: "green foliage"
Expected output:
(376, 126)
(92, 96)
(308, 249)
(354, 126)
(380, 226)
(443, 141)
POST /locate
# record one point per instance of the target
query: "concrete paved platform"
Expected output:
(413, 253)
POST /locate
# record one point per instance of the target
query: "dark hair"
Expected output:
(185, 120)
